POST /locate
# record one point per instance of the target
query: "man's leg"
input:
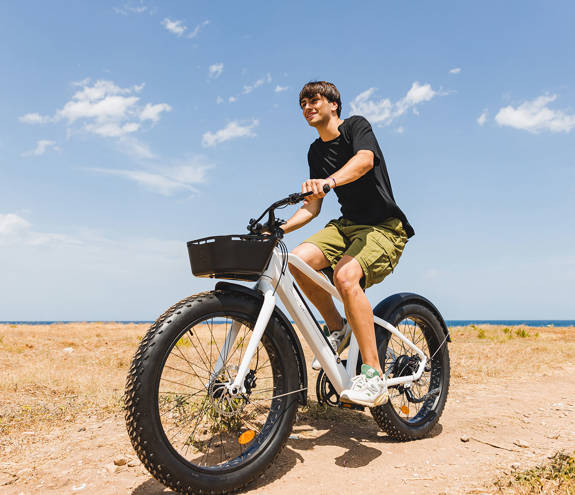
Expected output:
(347, 276)
(313, 256)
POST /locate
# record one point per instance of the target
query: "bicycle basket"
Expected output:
(236, 257)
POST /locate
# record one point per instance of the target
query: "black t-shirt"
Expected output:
(369, 199)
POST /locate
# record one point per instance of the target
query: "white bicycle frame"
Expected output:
(272, 282)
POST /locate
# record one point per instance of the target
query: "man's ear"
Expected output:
(333, 105)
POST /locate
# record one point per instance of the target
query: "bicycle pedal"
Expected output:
(350, 405)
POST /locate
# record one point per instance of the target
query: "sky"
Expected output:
(130, 127)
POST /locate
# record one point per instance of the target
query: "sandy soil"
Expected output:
(519, 416)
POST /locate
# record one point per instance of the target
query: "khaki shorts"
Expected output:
(377, 248)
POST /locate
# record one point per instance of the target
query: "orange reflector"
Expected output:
(246, 437)
(405, 410)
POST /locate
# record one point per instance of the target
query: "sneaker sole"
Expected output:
(378, 402)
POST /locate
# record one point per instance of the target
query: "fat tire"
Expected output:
(385, 415)
(144, 425)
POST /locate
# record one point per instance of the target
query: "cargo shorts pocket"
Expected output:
(384, 253)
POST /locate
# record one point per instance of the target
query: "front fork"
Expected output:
(237, 386)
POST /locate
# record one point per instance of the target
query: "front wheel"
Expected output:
(187, 429)
(412, 412)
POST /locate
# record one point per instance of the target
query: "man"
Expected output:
(364, 245)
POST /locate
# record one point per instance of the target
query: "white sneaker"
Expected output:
(338, 340)
(367, 389)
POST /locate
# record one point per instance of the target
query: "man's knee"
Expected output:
(347, 276)
(311, 255)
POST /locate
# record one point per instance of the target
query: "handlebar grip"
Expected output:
(326, 188)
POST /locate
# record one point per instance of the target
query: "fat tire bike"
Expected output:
(213, 389)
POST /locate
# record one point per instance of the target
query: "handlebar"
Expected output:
(273, 225)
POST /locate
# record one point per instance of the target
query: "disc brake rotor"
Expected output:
(221, 400)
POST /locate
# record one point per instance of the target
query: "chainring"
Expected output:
(325, 392)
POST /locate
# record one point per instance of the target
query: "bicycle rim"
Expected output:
(206, 428)
(397, 363)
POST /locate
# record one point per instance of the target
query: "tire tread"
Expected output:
(134, 383)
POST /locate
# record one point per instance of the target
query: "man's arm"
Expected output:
(304, 215)
(357, 166)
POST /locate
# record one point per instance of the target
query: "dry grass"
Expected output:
(54, 373)
(479, 353)
(555, 478)
(63, 372)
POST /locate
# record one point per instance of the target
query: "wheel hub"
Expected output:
(405, 365)
(223, 401)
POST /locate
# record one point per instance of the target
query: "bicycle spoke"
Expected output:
(204, 423)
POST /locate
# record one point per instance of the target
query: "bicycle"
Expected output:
(213, 389)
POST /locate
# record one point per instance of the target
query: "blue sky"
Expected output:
(130, 127)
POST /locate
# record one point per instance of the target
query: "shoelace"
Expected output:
(358, 382)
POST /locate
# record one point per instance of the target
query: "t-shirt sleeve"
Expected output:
(362, 136)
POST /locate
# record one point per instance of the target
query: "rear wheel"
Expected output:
(186, 427)
(412, 412)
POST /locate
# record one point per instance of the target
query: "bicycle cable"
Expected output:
(284, 252)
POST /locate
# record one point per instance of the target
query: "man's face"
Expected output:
(317, 110)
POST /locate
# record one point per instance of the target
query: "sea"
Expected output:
(450, 323)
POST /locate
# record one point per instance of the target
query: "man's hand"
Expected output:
(316, 187)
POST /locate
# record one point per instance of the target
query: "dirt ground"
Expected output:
(512, 398)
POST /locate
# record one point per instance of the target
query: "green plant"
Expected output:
(522, 333)
(481, 334)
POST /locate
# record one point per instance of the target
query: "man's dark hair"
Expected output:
(322, 88)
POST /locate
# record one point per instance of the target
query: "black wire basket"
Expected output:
(235, 257)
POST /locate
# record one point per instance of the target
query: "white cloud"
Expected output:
(34, 118)
(11, 223)
(197, 29)
(483, 117)
(133, 147)
(231, 131)
(455, 70)
(16, 230)
(42, 146)
(215, 70)
(279, 89)
(166, 180)
(133, 8)
(248, 88)
(176, 27)
(231, 99)
(107, 109)
(112, 129)
(219, 100)
(400, 129)
(535, 116)
(104, 109)
(384, 111)
(152, 112)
